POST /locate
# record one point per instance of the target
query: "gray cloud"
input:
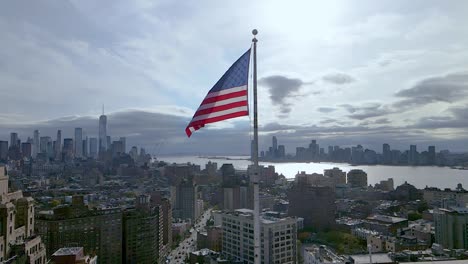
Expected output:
(366, 110)
(449, 88)
(458, 118)
(281, 89)
(382, 121)
(338, 78)
(326, 109)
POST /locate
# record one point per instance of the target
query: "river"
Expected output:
(419, 176)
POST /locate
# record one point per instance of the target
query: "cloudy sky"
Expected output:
(341, 72)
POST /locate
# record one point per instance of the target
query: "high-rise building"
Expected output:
(451, 227)
(44, 144)
(78, 142)
(281, 152)
(142, 232)
(58, 146)
(431, 157)
(93, 147)
(124, 144)
(102, 133)
(278, 243)
(85, 147)
(357, 178)
(184, 195)
(36, 144)
(3, 150)
(67, 148)
(274, 146)
(316, 204)
(97, 231)
(17, 232)
(26, 149)
(117, 148)
(413, 155)
(14, 140)
(386, 154)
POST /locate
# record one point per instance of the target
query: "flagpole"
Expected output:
(254, 179)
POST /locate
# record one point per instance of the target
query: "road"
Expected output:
(179, 254)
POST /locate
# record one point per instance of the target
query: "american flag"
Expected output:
(227, 99)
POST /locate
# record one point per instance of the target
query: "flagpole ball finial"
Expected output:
(254, 32)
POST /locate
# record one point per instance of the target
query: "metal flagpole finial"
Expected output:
(254, 32)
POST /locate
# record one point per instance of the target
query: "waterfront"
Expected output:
(419, 176)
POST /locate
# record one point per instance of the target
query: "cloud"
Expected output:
(338, 78)
(448, 89)
(458, 119)
(326, 109)
(366, 110)
(281, 89)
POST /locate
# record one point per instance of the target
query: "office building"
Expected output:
(67, 150)
(413, 155)
(85, 148)
(143, 232)
(431, 156)
(78, 142)
(102, 133)
(278, 237)
(124, 144)
(44, 141)
(316, 204)
(14, 140)
(36, 144)
(386, 154)
(117, 148)
(17, 235)
(451, 227)
(97, 231)
(93, 148)
(58, 146)
(26, 149)
(357, 178)
(3, 150)
(184, 197)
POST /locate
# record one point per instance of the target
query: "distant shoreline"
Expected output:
(338, 162)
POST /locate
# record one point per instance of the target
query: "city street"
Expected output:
(179, 254)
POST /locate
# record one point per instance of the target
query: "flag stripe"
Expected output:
(220, 113)
(220, 108)
(226, 91)
(224, 97)
(218, 118)
(223, 102)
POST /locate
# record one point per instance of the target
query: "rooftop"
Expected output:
(382, 258)
(386, 219)
(68, 251)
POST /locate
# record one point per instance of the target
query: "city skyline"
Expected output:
(324, 73)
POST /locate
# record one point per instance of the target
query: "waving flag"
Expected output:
(227, 99)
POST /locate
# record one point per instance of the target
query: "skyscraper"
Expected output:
(431, 157)
(78, 142)
(275, 146)
(124, 144)
(26, 149)
(58, 145)
(3, 150)
(36, 144)
(413, 155)
(14, 140)
(386, 153)
(44, 142)
(93, 147)
(102, 132)
(85, 147)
